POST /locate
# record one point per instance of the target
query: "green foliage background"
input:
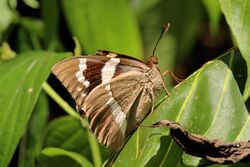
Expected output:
(213, 101)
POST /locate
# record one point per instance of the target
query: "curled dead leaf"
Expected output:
(212, 150)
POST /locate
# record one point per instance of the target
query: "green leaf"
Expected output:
(23, 41)
(20, 84)
(103, 24)
(183, 32)
(53, 151)
(31, 3)
(66, 133)
(50, 16)
(209, 103)
(32, 25)
(237, 64)
(237, 16)
(31, 143)
(142, 6)
(6, 52)
(214, 14)
(6, 16)
(184, 26)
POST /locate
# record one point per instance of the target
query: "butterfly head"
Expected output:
(153, 60)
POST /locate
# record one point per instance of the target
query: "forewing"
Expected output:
(107, 107)
(81, 74)
(114, 54)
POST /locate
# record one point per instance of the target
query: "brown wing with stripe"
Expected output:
(108, 88)
(115, 107)
(81, 74)
(117, 55)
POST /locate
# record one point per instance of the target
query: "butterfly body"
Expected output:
(114, 92)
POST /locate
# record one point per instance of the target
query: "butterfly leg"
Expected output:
(168, 72)
(165, 88)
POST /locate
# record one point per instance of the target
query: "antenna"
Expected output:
(165, 29)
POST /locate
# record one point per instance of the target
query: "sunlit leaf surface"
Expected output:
(204, 104)
(20, 84)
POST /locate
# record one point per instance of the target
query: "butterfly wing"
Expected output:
(109, 89)
(112, 116)
(81, 74)
(78, 76)
(116, 55)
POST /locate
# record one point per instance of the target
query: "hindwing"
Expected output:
(110, 113)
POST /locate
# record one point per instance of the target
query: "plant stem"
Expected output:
(66, 107)
(96, 155)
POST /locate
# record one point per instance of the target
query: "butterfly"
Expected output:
(115, 92)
